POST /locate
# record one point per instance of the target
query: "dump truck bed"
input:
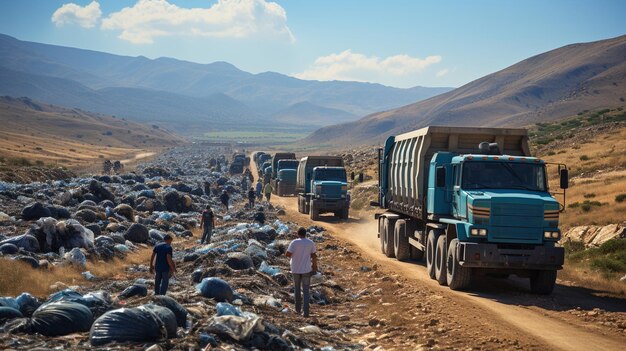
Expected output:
(405, 160)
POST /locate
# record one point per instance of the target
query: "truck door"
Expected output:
(456, 191)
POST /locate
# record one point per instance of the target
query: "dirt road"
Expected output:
(570, 319)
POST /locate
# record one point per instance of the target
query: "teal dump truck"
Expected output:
(473, 201)
(285, 182)
(322, 187)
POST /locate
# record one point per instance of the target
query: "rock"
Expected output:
(97, 231)
(156, 235)
(343, 318)
(137, 233)
(101, 192)
(88, 204)
(594, 236)
(104, 241)
(191, 257)
(106, 203)
(609, 232)
(86, 215)
(27, 259)
(35, 211)
(59, 212)
(239, 261)
(623, 279)
(126, 211)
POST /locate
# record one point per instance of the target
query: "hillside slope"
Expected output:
(32, 131)
(545, 87)
(256, 95)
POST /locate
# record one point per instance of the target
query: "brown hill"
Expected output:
(546, 87)
(36, 133)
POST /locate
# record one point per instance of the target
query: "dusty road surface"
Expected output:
(494, 313)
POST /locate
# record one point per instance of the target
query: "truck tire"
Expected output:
(542, 282)
(345, 213)
(431, 247)
(440, 260)
(388, 237)
(381, 232)
(279, 190)
(401, 247)
(458, 277)
(314, 211)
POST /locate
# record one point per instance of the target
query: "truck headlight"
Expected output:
(343, 196)
(552, 235)
(478, 232)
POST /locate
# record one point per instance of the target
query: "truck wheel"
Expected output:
(431, 246)
(315, 214)
(381, 232)
(542, 282)
(388, 237)
(440, 260)
(401, 247)
(458, 277)
(344, 214)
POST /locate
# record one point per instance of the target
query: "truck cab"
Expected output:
(322, 187)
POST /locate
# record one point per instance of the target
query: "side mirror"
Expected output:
(441, 177)
(564, 174)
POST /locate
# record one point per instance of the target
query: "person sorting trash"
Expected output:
(251, 198)
(259, 190)
(303, 254)
(225, 199)
(161, 262)
(207, 223)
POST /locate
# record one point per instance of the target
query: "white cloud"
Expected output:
(149, 19)
(70, 13)
(443, 72)
(358, 67)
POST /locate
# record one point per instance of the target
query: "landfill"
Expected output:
(233, 293)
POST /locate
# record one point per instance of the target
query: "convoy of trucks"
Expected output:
(472, 201)
(284, 183)
(238, 163)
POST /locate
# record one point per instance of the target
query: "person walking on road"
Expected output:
(162, 265)
(225, 199)
(259, 189)
(303, 254)
(268, 191)
(207, 223)
(251, 198)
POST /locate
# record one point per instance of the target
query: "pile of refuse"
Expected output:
(233, 293)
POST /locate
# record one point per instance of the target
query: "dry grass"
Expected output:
(19, 277)
(582, 275)
(599, 176)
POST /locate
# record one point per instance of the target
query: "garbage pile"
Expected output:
(233, 293)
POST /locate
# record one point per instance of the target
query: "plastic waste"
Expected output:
(9, 302)
(179, 311)
(215, 288)
(239, 328)
(4, 217)
(264, 300)
(226, 309)
(267, 269)
(121, 248)
(167, 216)
(61, 318)
(27, 303)
(7, 313)
(311, 329)
(205, 339)
(98, 302)
(134, 290)
(127, 324)
(166, 316)
(88, 275)
(227, 218)
(76, 257)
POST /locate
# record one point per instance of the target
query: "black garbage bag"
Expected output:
(134, 290)
(137, 233)
(127, 324)
(28, 304)
(98, 302)
(8, 249)
(239, 261)
(166, 316)
(8, 313)
(33, 262)
(35, 211)
(25, 241)
(61, 318)
(215, 288)
(179, 311)
(196, 276)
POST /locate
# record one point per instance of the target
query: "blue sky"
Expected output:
(397, 43)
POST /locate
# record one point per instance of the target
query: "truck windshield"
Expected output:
(504, 175)
(337, 175)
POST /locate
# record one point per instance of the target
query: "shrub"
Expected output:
(620, 198)
(608, 264)
(584, 158)
(39, 163)
(574, 204)
(585, 207)
(573, 246)
(589, 196)
(551, 153)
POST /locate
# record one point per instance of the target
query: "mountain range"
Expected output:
(186, 95)
(543, 88)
